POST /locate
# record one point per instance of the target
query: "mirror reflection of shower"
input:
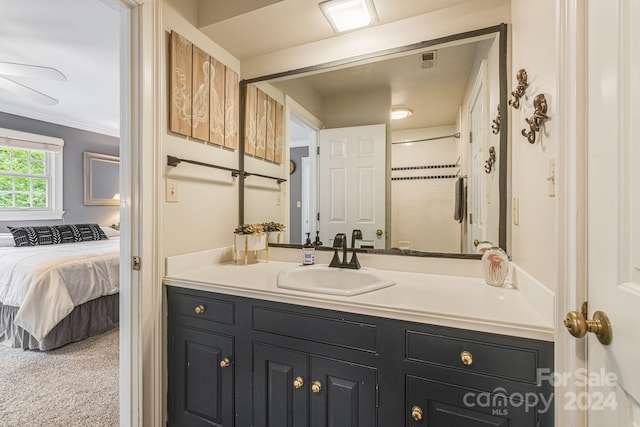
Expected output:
(302, 184)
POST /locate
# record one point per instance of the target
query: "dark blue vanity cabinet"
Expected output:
(244, 362)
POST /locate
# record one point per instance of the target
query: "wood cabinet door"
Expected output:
(278, 400)
(446, 405)
(346, 396)
(202, 389)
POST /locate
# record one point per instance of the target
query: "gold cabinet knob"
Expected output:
(199, 309)
(298, 382)
(416, 413)
(316, 386)
(225, 362)
(476, 242)
(466, 357)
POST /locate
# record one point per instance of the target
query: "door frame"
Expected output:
(570, 353)
(141, 326)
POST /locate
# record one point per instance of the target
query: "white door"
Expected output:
(352, 183)
(475, 173)
(613, 212)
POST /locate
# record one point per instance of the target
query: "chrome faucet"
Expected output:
(340, 241)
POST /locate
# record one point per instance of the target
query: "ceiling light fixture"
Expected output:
(345, 15)
(400, 113)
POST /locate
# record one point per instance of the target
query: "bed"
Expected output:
(54, 294)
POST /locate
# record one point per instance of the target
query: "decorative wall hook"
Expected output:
(518, 92)
(496, 123)
(491, 161)
(539, 115)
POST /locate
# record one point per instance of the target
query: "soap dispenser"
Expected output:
(317, 242)
(308, 252)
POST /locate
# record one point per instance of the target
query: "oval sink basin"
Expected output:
(335, 281)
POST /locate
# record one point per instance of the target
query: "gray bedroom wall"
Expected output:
(76, 142)
(295, 191)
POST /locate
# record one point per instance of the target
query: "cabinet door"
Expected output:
(345, 396)
(203, 387)
(435, 404)
(278, 400)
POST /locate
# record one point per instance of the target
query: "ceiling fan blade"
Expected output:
(27, 92)
(34, 71)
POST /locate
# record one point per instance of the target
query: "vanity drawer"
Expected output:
(474, 356)
(202, 306)
(323, 329)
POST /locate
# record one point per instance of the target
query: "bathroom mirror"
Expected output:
(101, 179)
(434, 183)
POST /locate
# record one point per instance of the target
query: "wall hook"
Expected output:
(496, 123)
(518, 92)
(491, 161)
(535, 121)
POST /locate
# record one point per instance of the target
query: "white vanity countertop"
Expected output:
(453, 301)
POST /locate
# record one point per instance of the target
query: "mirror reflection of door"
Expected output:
(476, 178)
(351, 173)
(302, 191)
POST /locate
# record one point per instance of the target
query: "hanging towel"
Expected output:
(459, 209)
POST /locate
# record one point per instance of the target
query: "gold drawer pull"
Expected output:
(225, 362)
(467, 358)
(316, 386)
(298, 382)
(416, 413)
(199, 309)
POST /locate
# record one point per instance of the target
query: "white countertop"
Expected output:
(453, 301)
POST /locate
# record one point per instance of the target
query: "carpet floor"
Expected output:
(75, 385)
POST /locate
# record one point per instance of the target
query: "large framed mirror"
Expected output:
(101, 179)
(431, 184)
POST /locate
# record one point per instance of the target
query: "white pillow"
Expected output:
(6, 239)
(110, 232)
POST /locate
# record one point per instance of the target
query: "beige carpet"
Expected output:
(76, 385)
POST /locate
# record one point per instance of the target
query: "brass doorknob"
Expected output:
(476, 242)
(298, 382)
(199, 309)
(225, 362)
(578, 325)
(467, 358)
(316, 386)
(416, 413)
(379, 232)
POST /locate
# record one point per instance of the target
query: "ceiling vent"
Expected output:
(428, 59)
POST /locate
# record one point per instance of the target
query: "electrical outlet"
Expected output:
(172, 190)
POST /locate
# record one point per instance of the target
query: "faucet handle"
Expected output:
(339, 241)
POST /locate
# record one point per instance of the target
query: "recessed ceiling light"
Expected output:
(345, 15)
(400, 113)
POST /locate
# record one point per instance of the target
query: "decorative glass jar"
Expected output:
(495, 266)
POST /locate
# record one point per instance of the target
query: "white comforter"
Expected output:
(47, 282)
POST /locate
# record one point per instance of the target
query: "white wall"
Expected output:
(533, 48)
(207, 209)
(422, 210)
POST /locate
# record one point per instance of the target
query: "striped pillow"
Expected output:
(56, 234)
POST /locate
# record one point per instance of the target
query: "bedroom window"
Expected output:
(30, 176)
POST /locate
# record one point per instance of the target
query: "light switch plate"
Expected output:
(515, 207)
(172, 190)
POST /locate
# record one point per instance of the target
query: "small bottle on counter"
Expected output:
(317, 242)
(308, 252)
